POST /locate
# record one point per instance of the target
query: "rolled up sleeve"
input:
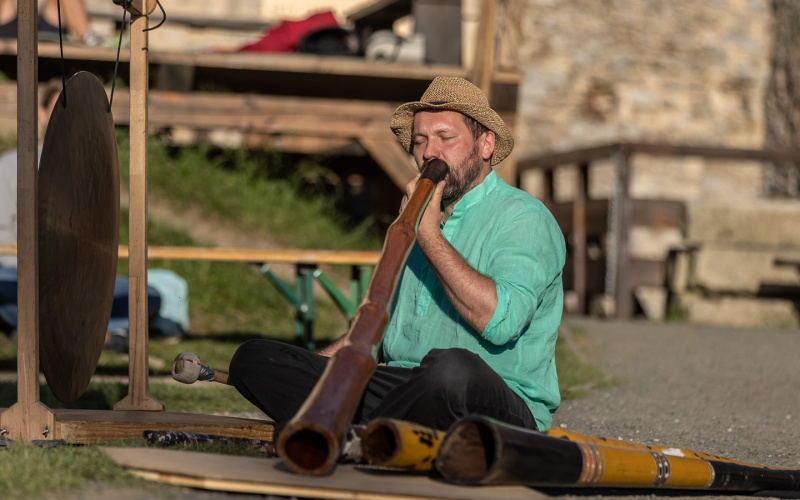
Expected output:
(527, 256)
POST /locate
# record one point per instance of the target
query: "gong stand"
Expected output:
(28, 419)
(138, 397)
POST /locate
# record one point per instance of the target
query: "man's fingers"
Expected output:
(436, 197)
(410, 188)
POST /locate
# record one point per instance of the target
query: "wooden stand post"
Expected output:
(28, 419)
(138, 397)
(483, 68)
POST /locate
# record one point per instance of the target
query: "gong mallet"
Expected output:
(188, 369)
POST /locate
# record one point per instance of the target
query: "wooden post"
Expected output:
(548, 185)
(483, 67)
(579, 236)
(623, 293)
(28, 419)
(138, 397)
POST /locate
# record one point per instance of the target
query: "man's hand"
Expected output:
(473, 295)
(431, 220)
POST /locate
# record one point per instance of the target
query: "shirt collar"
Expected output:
(476, 194)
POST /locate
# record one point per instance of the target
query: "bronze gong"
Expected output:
(78, 235)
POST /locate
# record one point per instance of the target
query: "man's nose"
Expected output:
(432, 151)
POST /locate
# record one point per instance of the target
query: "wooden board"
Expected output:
(94, 426)
(268, 476)
(268, 62)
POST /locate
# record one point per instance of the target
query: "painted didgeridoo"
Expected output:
(396, 443)
(311, 441)
(480, 450)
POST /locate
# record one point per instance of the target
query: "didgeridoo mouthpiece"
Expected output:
(435, 170)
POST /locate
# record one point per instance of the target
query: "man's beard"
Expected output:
(459, 180)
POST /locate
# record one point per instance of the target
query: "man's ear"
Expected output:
(488, 145)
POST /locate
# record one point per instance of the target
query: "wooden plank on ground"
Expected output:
(268, 476)
(95, 426)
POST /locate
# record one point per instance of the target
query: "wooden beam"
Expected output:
(289, 256)
(267, 62)
(622, 215)
(392, 158)
(483, 68)
(28, 419)
(337, 257)
(95, 426)
(579, 236)
(138, 397)
(555, 160)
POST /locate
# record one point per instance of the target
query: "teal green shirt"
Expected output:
(509, 236)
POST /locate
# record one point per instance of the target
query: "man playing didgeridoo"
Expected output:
(474, 322)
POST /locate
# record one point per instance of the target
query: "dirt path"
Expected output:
(733, 393)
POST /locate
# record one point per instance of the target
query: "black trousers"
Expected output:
(448, 385)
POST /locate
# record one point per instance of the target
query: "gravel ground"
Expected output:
(728, 392)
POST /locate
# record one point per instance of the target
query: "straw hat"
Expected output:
(456, 94)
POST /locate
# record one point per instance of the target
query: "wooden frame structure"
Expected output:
(28, 419)
(621, 272)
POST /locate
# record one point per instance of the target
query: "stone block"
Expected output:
(742, 312)
(653, 243)
(755, 224)
(725, 269)
(653, 300)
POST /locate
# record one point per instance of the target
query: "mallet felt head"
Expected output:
(186, 368)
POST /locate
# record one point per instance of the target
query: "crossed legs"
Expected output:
(447, 385)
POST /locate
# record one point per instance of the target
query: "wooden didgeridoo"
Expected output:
(480, 450)
(311, 441)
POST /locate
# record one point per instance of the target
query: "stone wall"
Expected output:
(679, 71)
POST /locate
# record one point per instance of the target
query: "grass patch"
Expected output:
(576, 375)
(202, 397)
(230, 301)
(257, 191)
(28, 471)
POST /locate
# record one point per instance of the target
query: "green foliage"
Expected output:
(230, 297)
(255, 191)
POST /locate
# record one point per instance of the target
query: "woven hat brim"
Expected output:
(402, 122)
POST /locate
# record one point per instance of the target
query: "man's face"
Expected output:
(444, 135)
